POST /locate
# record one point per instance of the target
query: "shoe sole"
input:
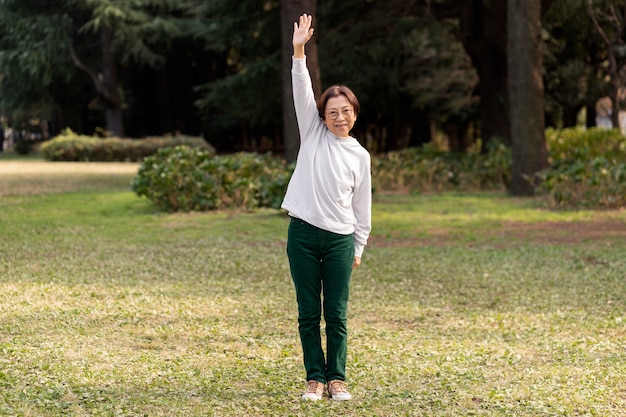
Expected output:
(341, 398)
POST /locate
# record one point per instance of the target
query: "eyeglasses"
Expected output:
(333, 114)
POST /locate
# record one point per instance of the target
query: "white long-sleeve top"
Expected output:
(331, 184)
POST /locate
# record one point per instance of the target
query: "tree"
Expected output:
(482, 29)
(483, 32)
(573, 60)
(609, 18)
(98, 37)
(243, 103)
(33, 59)
(289, 13)
(525, 91)
(407, 68)
(126, 30)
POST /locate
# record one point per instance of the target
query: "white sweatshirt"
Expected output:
(331, 185)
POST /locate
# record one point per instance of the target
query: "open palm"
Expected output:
(302, 30)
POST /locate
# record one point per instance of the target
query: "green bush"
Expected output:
(190, 179)
(23, 146)
(70, 146)
(587, 169)
(430, 169)
(578, 144)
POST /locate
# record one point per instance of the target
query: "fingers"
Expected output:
(305, 22)
(302, 32)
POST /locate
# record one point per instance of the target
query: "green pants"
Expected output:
(321, 266)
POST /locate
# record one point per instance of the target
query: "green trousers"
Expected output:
(321, 266)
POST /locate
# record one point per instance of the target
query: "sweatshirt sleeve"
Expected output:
(362, 207)
(303, 98)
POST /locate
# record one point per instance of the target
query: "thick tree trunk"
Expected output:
(525, 88)
(483, 28)
(112, 97)
(289, 13)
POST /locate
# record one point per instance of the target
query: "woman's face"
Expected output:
(339, 116)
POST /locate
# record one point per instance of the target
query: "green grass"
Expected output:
(466, 304)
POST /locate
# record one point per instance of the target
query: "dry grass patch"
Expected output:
(29, 177)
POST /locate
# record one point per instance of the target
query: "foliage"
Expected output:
(23, 146)
(588, 169)
(431, 169)
(188, 179)
(575, 70)
(579, 144)
(41, 78)
(246, 35)
(413, 60)
(33, 58)
(408, 68)
(223, 56)
(70, 146)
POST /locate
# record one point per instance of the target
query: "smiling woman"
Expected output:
(339, 107)
(329, 199)
(39, 177)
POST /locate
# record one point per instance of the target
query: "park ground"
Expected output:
(466, 304)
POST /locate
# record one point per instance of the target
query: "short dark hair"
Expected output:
(336, 91)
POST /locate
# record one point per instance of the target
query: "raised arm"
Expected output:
(302, 32)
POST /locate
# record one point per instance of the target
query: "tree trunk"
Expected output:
(525, 88)
(112, 97)
(483, 28)
(590, 106)
(289, 13)
(420, 129)
(615, 87)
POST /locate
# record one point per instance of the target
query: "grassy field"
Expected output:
(465, 305)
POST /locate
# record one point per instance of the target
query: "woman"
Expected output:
(329, 200)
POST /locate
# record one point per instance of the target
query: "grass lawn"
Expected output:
(466, 304)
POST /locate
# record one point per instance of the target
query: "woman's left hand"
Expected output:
(357, 262)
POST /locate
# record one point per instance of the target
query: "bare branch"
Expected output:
(596, 24)
(100, 88)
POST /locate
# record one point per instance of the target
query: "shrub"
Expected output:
(70, 146)
(23, 146)
(587, 169)
(430, 169)
(578, 144)
(191, 179)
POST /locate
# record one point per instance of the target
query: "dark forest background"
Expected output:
(423, 70)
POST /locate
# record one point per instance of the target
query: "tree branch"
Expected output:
(100, 88)
(596, 24)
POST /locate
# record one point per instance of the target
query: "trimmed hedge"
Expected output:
(189, 179)
(70, 146)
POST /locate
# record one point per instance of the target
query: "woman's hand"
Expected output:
(302, 33)
(357, 262)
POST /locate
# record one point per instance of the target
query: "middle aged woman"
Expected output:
(329, 199)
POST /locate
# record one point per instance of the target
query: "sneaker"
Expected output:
(314, 390)
(339, 390)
